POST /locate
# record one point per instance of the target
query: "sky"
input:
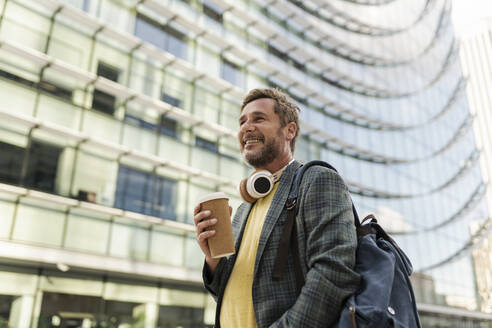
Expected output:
(469, 14)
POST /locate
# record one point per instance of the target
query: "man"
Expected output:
(242, 284)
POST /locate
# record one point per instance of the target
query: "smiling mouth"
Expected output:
(251, 142)
(251, 139)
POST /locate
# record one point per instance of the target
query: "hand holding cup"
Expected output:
(213, 226)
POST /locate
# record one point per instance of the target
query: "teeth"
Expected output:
(251, 141)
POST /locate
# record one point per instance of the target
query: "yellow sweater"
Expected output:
(237, 305)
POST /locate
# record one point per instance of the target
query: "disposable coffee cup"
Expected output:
(222, 242)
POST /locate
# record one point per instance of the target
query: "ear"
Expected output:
(291, 129)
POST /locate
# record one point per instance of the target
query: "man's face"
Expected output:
(261, 137)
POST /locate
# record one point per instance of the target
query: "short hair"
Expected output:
(285, 108)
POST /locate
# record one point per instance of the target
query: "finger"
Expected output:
(197, 209)
(205, 224)
(205, 235)
(201, 215)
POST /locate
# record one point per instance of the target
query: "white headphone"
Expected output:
(259, 184)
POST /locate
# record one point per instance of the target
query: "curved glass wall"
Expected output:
(116, 115)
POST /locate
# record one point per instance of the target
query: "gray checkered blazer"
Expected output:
(327, 244)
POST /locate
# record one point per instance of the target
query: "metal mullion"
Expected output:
(45, 51)
(190, 132)
(151, 227)
(248, 33)
(184, 237)
(38, 90)
(103, 300)
(155, 188)
(163, 88)
(158, 299)
(221, 108)
(14, 216)
(37, 300)
(122, 122)
(2, 15)
(127, 83)
(65, 226)
(125, 181)
(149, 243)
(166, 34)
(74, 167)
(25, 160)
(145, 191)
(89, 67)
(110, 235)
(194, 41)
(190, 147)
(50, 31)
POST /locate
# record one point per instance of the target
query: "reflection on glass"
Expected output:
(74, 311)
(180, 316)
(5, 309)
(10, 163)
(145, 193)
(40, 170)
(163, 37)
(232, 73)
(213, 11)
(101, 100)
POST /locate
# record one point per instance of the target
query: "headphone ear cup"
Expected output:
(256, 186)
(244, 192)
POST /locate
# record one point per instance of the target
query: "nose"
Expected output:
(247, 126)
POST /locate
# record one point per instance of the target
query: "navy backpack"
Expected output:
(385, 297)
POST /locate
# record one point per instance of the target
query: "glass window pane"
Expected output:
(42, 166)
(130, 189)
(175, 42)
(149, 31)
(232, 73)
(165, 198)
(10, 163)
(146, 193)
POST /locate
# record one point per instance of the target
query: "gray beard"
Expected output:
(265, 156)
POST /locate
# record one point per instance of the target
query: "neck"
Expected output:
(277, 164)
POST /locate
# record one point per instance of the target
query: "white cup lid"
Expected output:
(215, 195)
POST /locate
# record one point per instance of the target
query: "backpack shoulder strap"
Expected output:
(297, 182)
(289, 231)
(300, 173)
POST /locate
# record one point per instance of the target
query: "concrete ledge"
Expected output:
(51, 256)
(452, 312)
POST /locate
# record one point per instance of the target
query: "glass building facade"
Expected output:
(117, 115)
(476, 54)
(476, 60)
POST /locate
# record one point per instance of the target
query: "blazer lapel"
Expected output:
(243, 217)
(276, 207)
